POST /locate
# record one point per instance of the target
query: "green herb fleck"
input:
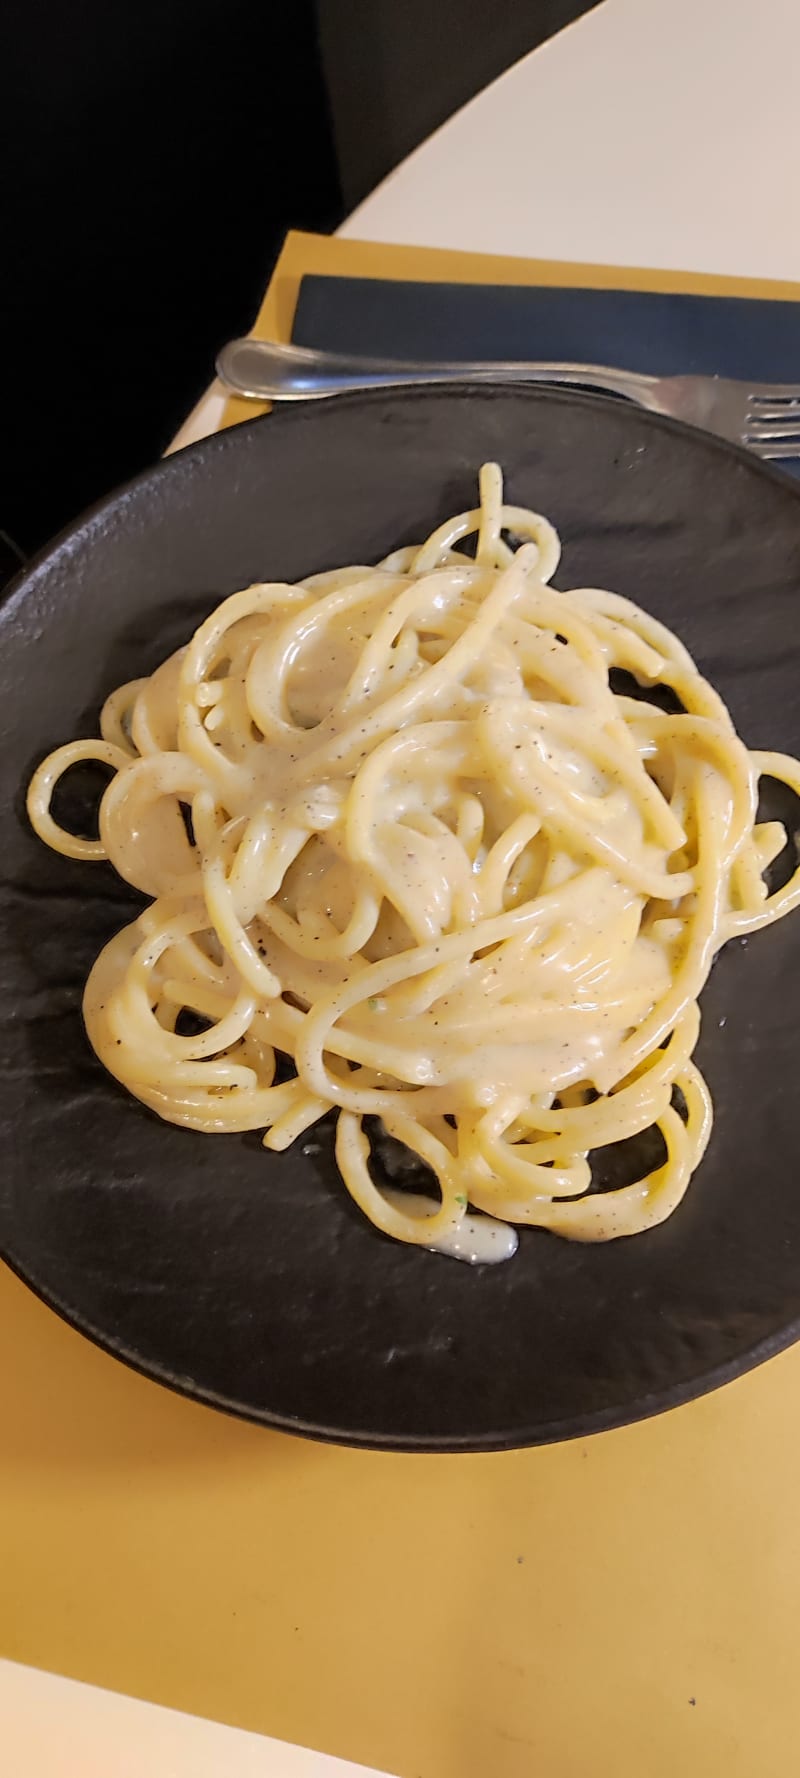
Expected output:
(461, 1197)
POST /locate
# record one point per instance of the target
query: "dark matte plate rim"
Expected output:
(550, 1432)
(298, 411)
(571, 1427)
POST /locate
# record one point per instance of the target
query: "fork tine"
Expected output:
(776, 453)
(769, 430)
(774, 410)
(775, 392)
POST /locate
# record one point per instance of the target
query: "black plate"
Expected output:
(247, 1279)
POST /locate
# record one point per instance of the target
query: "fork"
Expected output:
(765, 416)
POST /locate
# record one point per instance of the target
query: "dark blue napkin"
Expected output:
(640, 330)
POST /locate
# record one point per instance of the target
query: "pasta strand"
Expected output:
(399, 830)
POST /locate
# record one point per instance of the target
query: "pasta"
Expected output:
(413, 855)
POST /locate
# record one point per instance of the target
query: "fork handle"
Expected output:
(265, 371)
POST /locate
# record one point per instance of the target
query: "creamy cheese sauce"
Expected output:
(398, 828)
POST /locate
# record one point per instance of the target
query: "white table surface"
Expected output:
(651, 132)
(56, 1728)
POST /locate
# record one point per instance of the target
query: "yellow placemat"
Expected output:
(620, 1608)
